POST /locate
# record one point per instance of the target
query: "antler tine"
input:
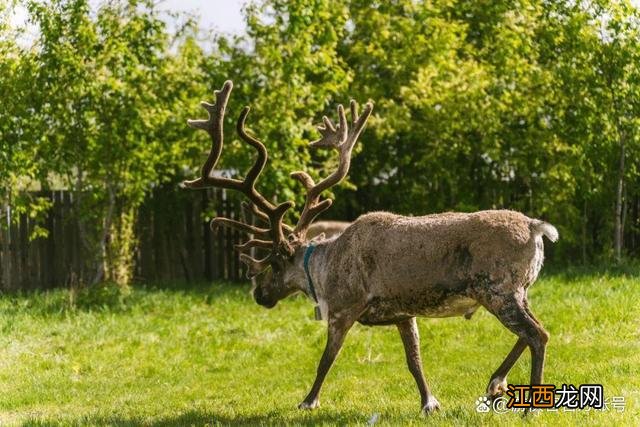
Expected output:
(214, 127)
(332, 136)
(263, 217)
(240, 226)
(342, 139)
(254, 243)
(274, 213)
(258, 166)
(264, 209)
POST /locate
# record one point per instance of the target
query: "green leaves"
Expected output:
(478, 105)
(98, 105)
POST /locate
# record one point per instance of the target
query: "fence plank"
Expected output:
(56, 232)
(15, 254)
(207, 238)
(5, 248)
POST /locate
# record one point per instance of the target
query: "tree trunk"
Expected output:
(120, 247)
(106, 229)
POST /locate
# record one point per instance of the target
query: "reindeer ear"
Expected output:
(319, 237)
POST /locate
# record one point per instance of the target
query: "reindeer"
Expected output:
(384, 269)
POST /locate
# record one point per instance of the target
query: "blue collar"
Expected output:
(307, 256)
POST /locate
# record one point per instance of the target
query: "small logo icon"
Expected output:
(483, 405)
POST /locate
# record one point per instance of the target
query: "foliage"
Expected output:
(528, 105)
(209, 355)
(288, 76)
(18, 138)
(107, 296)
(498, 107)
(109, 109)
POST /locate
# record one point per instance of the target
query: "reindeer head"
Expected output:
(271, 275)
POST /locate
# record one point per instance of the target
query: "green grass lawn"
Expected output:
(210, 355)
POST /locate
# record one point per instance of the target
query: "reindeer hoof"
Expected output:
(431, 406)
(309, 405)
(497, 387)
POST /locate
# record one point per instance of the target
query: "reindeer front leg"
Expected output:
(337, 331)
(411, 340)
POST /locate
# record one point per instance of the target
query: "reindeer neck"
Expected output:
(309, 276)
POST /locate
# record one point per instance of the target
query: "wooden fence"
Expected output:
(175, 242)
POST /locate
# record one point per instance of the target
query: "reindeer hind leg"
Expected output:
(498, 382)
(515, 315)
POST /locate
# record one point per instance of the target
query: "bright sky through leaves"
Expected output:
(221, 15)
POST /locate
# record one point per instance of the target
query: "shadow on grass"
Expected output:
(201, 418)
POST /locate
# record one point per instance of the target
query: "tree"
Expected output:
(527, 105)
(287, 68)
(19, 138)
(110, 92)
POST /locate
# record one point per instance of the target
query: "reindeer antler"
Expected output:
(214, 127)
(338, 137)
(342, 139)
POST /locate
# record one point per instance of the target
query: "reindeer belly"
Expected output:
(426, 302)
